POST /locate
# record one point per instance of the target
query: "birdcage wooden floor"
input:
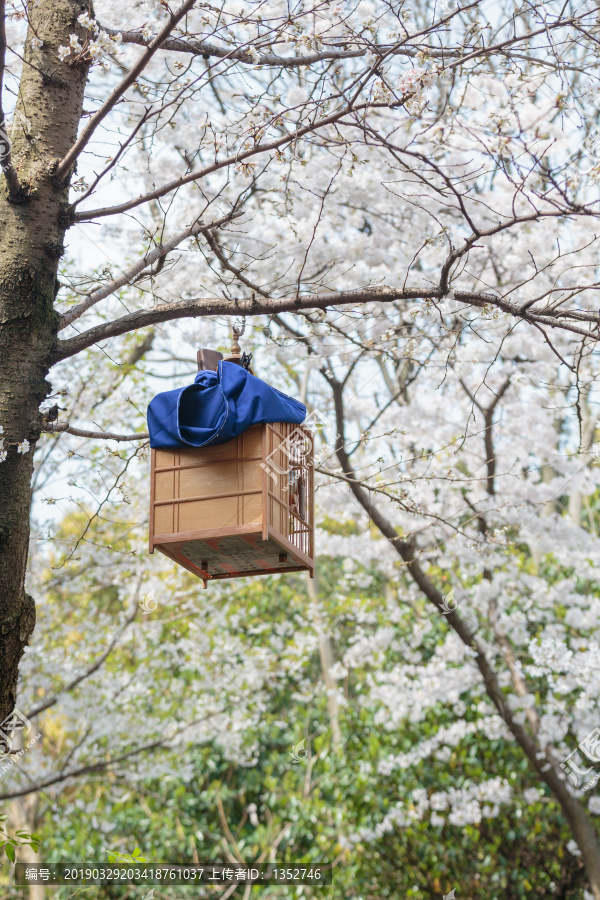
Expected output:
(232, 556)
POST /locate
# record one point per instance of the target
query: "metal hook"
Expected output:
(238, 331)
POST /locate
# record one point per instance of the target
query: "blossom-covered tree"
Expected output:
(430, 170)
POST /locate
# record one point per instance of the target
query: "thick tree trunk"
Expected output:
(31, 244)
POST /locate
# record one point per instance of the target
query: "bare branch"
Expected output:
(65, 165)
(89, 671)
(152, 256)
(88, 215)
(100, 764)
(488, 417)
(66, 428)
(211, 306)
(208, 50)
(214, 246)
(490, 454)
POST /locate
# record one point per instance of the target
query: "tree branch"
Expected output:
(545, 767)
(86, 674)
(488, 438)
(488, 418)
(157, 253)
(216, 306)
(98, 766)
(65, 165)
(206, 49)
(88, 215)
(66, 428)
(214, 246)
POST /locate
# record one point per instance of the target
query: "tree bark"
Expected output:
(32, 234)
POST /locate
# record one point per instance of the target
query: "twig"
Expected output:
(96, 435)
(65, 165)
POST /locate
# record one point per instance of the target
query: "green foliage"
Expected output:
(135, 857)
(10, 842)
(328, 807)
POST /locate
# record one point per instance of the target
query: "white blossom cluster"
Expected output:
(97, 45)
(22, 447)
(464, 806)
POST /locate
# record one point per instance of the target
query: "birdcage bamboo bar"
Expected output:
(237, 509)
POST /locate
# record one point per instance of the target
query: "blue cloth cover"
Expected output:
(216, 408)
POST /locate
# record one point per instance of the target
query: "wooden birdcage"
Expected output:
(245, 507)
